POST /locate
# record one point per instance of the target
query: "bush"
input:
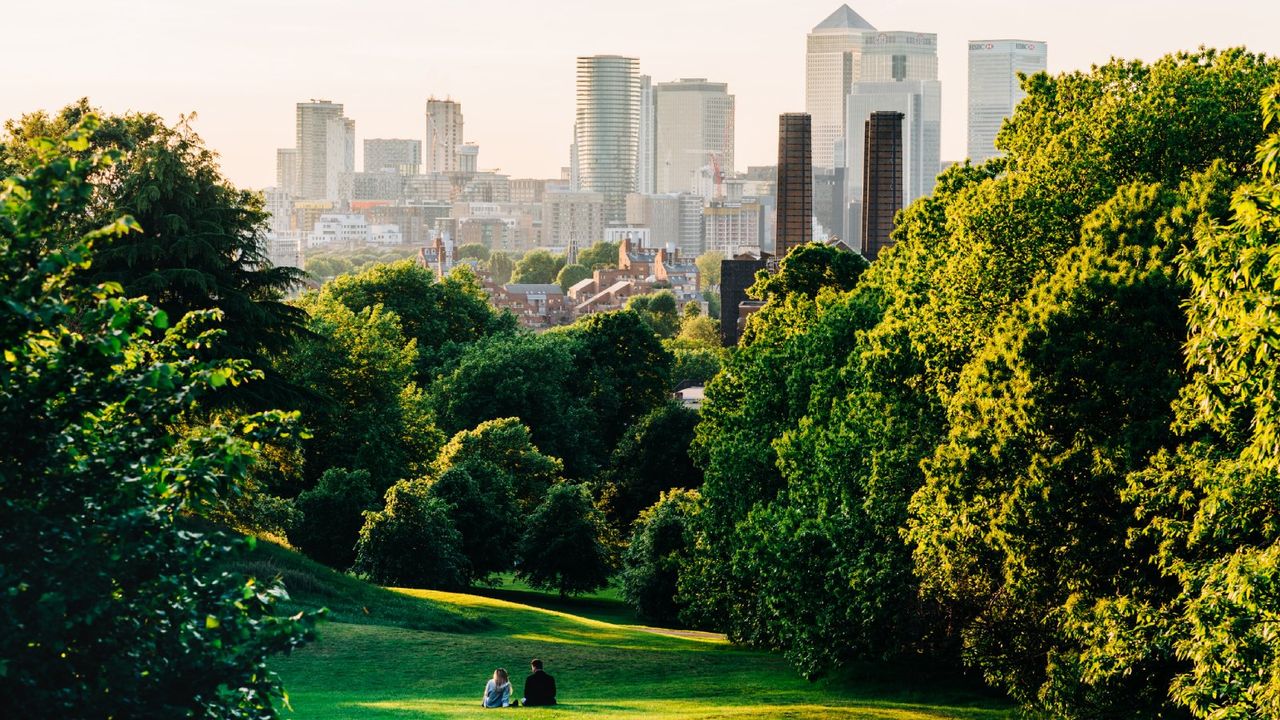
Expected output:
(562, 548)
(332, 515)
(659, 547)
(411, 542)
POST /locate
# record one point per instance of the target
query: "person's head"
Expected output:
(500, 676)
(535, 664)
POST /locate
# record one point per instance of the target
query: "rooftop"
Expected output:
(844, 18)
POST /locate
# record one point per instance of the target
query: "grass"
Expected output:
(604, 605)
(427, 654)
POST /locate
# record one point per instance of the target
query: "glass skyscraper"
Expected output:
(994, 89)
(833, 61)
(607, 130)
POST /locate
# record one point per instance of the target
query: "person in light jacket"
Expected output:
(497, 692)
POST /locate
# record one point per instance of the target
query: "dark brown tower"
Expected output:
(882, 181)
(795, 183)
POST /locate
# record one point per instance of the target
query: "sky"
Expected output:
(241, 65)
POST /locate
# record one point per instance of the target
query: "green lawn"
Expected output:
(604, 670)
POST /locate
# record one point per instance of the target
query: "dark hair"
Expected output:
(536, 663)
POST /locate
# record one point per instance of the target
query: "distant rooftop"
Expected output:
(844, 19)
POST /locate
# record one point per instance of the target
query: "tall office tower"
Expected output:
(393, 155)
(994, 88)
(572, 219)
(287, 171)
(444, 135)
(674, 220)
(695, 131)
(833, 61)
(468, 158)
(882, 180)
(607, 132)
(313, 146)
(340, 156)
(795, 183)
(899, 74)
(645, 160)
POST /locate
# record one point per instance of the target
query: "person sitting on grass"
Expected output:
(539, 688)
(497, 692)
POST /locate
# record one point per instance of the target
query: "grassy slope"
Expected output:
(426, 654)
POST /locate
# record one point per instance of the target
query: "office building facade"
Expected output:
(647, 140)
(694, 132)
(444, 135)
(994, 87)
(833, 61)
(313, 147)
(795, 183)
(401, 156)
(883, 150)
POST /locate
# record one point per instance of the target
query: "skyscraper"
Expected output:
(795, 183)
(392, 155)
(899, 74)
(994, 89)
(695, 130)
(340, 156)
(287, 171)
(882, 180)
(444, 135)
(833, 60)
(313, 129)
(607, 129)
(646, 144)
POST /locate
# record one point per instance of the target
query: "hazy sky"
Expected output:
(242, 64)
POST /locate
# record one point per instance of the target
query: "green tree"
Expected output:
(442, 317)
(659, 310)
(112, 605)
(370, 414)
(473, 250)
(695, 365)
(562, 548)
(698, 331)
(537, 267)
(411, 541)
(332, 515)
(492, 477)
(660, 545)
(651, 458)
(571, 275)
(201, 243)
(501, 266)
(601, 255)
(709, 269)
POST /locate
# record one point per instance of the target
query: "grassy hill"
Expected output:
(426, 654)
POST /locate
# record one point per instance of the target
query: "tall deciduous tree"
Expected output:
(562, 548)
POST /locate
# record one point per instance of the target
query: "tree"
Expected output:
(525, 376)
(500, 267)
(411, 542)
(441, 316)
(698, 331)
(473, 250)
(695, 365)
(370, 414)
(571, 275)
(537, 267)
(562, 547)
(492, 477)
(601, 255)
(112, 605)
(332, 515)
(651, 458)
(201, 244)
(659, 547)
(659, 311)
(807, 270)
(709, 269)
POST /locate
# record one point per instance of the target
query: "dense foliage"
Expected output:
(659, 547)
(562, 547)
(112, 606)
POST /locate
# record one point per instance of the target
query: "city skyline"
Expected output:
(243, 66)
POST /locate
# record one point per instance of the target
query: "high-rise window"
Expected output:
(899, 67)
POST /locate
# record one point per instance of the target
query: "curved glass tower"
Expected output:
(607, 129)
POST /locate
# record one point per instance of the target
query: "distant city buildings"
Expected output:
(573, 219)
(795, 183)
(883, 170)
(399, 156)
(833, 61)
(994, 88)
(444, 135)
(646, 144)
(287, 171)
(316, 122)
(607, 130)
(694, 121)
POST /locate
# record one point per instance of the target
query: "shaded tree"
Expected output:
(562, 548)
(660, 545)
(537, 267)
(411, 542)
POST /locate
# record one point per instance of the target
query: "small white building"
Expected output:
(337, 230)
(385, 235)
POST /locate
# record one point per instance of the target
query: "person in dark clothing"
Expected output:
(539, 688)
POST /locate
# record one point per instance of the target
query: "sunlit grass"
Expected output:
(604, 670)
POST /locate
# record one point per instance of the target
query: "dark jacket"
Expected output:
(539, 689)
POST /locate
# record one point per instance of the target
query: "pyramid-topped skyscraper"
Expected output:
(832, 62)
